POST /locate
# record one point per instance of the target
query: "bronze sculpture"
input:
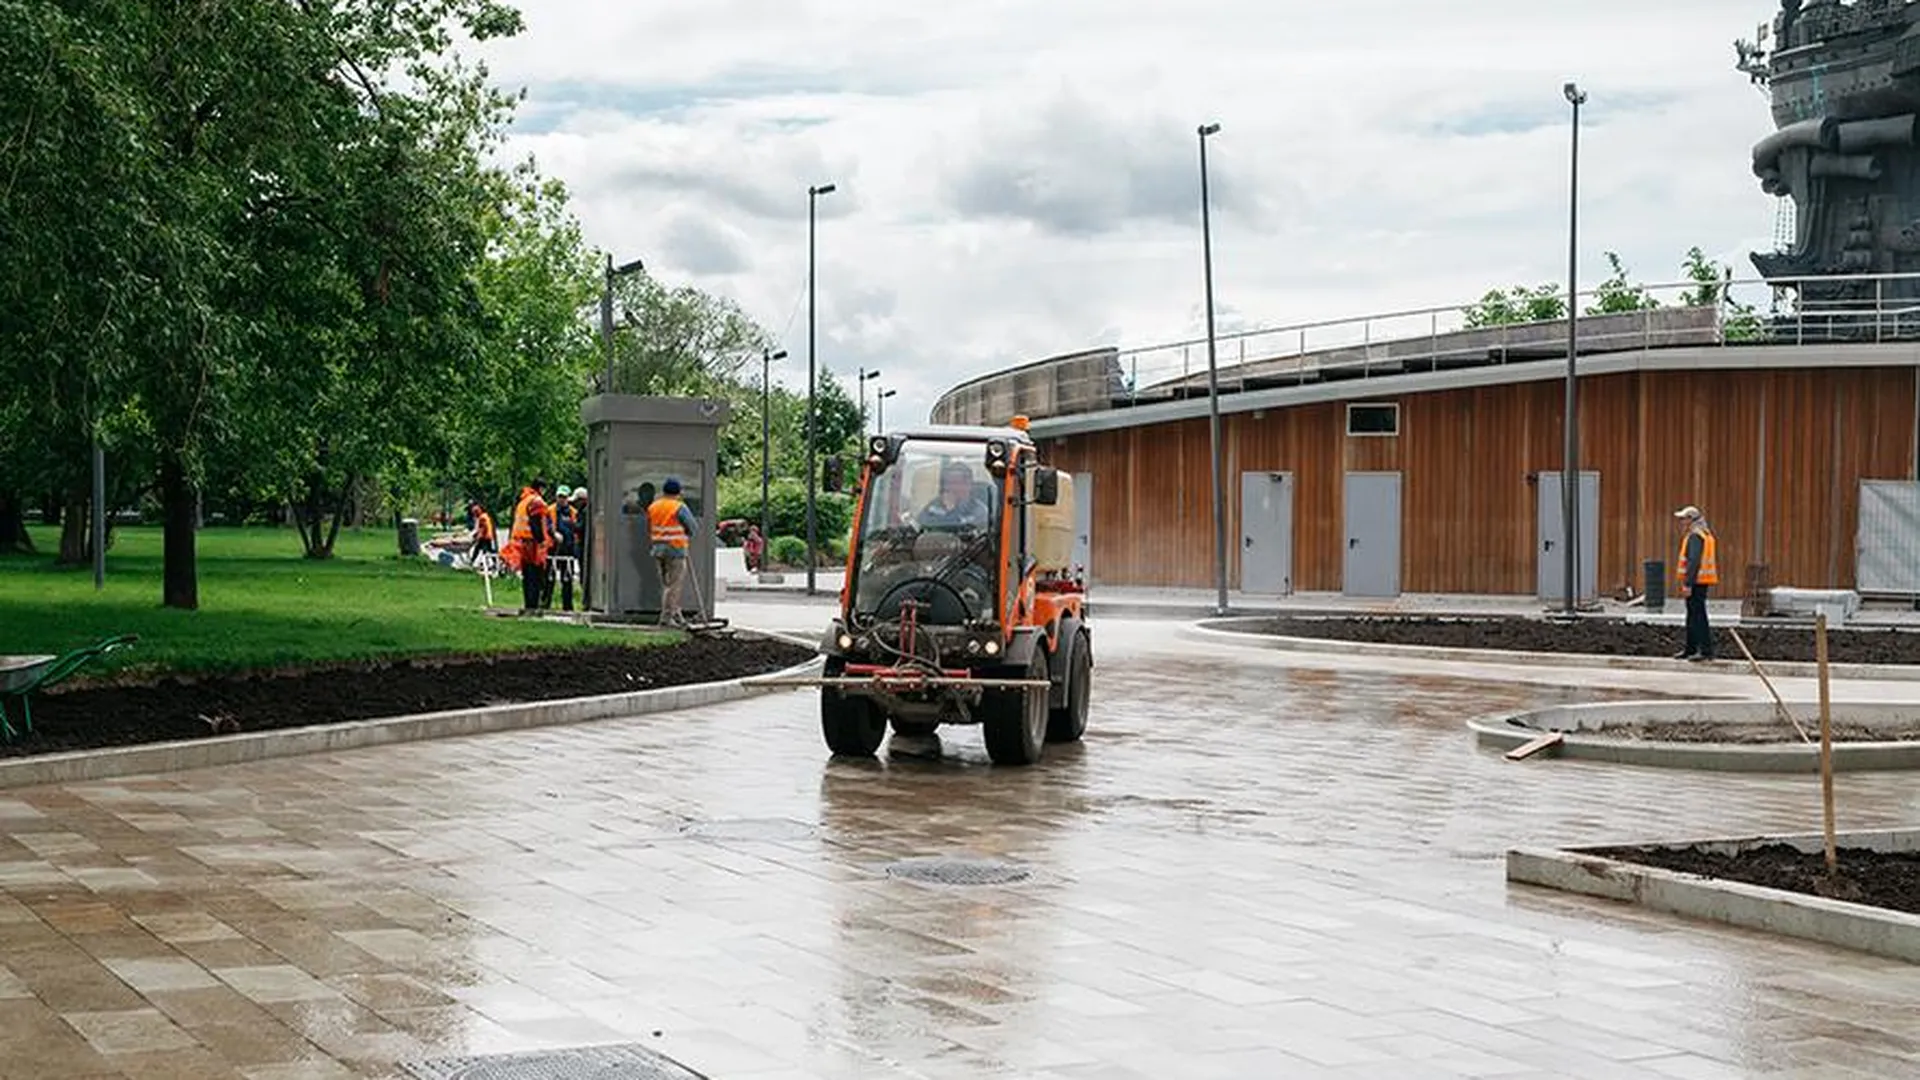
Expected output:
(1844, 80)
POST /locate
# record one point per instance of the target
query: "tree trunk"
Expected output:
(13, 524)
(180, 587)
(76, 534)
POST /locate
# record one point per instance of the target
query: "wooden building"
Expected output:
(1448, 481)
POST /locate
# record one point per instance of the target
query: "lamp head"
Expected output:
(1209, 129)
(823, 189)
(1575, 95)
(781, 355)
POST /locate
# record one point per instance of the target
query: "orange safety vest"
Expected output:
(663, 522)
(483, 526)
(1709, 560)
(530, 504)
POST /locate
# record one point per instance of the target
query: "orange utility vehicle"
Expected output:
(961, 603)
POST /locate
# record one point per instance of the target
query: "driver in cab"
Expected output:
(955, 508)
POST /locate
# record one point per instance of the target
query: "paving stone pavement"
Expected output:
(1258, 864)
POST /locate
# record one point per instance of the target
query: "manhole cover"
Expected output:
(749, 829)
(944, 871)
(622, 1062)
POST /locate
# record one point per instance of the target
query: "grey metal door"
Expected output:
(1083, 523)
(1266, 533)
(1551, 549)
(1372, 564)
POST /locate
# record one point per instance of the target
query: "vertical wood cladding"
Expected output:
(1774, 457)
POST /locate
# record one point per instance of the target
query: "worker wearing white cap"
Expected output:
(1699, 572)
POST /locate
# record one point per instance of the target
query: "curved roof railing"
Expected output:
(1743, 311)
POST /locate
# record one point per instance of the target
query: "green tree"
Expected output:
(681, 341)
(1520, 304)
(1712, 281)
(516, 411)
(1618, 293)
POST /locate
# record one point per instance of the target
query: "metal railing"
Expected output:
(1746, 311)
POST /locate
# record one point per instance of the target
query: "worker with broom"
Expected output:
(1699, 571)
(670, 526)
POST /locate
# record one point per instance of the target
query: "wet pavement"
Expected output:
(1259, 864)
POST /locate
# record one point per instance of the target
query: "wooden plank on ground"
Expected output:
(1522, 753)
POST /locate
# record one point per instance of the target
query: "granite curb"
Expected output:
(1786, 756)
(1861, 927)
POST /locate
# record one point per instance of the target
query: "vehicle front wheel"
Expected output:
(853, 726)
(1014, 721)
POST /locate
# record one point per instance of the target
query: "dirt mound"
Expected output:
(1599, 637)
(1865, 877)
(172, 709)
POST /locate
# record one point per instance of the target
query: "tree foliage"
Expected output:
(1520, 304)
(1619, 293)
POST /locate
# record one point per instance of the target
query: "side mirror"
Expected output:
(1046, 486)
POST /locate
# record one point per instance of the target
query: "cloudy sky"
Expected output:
(1018, 178)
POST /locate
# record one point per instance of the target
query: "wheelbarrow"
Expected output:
(20, 676)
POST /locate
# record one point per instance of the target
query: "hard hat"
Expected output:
(563, 491)
(672, 486)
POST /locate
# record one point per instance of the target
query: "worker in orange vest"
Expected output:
(555, 511)
(1699, 569)
(531, 537)
(670, 527)
(483, 538)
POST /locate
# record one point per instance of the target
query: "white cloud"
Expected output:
(1018, 178)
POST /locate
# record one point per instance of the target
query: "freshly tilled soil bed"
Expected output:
(174, 708)
(1598, 637)
(1692, 731)
(1866, 877)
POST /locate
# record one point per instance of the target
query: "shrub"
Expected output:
(788, 550)
(786, 507)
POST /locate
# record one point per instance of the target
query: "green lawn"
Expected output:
(262, 605)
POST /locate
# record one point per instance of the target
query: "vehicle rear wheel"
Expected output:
(1014, 721)
(1069, 722)
(853, 726)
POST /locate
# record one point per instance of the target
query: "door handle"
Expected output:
(1549, 545)
(1353, 542)
(1246, 542)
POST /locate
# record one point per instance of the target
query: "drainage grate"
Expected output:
(945, 871)
(621, 1062)
(768, 829)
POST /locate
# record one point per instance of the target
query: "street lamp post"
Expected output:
(864, 376)
(1213, 385)
(1570, 478)
(813, 469)
(606, 311)
(767, 357)
(880, 405)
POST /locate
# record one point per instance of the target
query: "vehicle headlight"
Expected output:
(973, 646)
(846, 641)
(993, 648)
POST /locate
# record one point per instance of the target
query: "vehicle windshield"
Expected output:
(929, 530)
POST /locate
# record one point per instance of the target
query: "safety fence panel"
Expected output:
(1888, 544)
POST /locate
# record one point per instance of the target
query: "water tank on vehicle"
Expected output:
(1052, 527)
